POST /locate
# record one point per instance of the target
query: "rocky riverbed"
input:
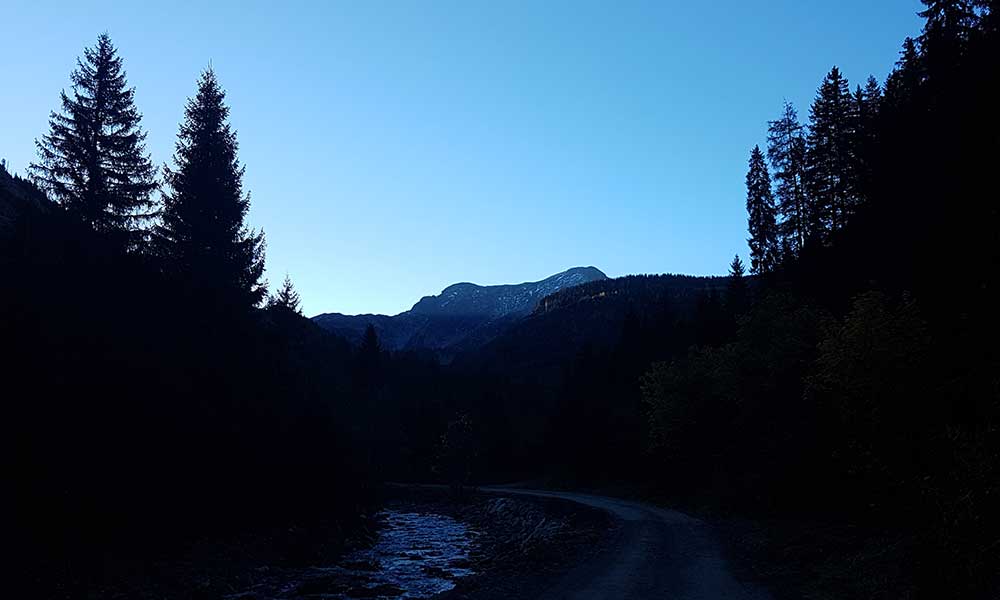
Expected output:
(523, 544)
(431, 545)
(424, 544)
(416, 554)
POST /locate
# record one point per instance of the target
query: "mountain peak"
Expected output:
(590, 271)
(495, 301)
(460, 310)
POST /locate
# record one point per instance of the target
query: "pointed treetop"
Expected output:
(830, 156)
(909, 54)
(736, 268)
(761, 215)
(872, 86)
(786, 151)
(93, 160)
(287, 297)
(203, 236)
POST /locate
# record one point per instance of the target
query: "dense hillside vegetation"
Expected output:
(151, 397)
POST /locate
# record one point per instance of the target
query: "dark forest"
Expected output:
(840, 385)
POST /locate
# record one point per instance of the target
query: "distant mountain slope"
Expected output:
(497, 301)
(588, 315)
(633, 291)
(463, 314)
(18, 196)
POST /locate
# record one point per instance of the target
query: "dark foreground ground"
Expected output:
(517, 546)
(652, 552)
(518, 543)
(797, 557)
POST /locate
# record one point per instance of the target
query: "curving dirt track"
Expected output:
(656, 554)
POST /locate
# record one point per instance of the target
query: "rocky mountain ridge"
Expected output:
(461, 313)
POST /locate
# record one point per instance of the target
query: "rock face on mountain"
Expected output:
(497, 301)
(462, 314)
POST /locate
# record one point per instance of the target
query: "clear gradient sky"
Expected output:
(394, 148)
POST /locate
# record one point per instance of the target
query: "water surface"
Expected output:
(416, 555)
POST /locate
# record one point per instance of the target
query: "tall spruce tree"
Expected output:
(93, 160)
(947, 28)
(830, 156)
(786, 151)
(761, 221)
(905, 79)
(868, 105)
(202, 238)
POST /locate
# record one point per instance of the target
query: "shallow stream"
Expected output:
(416, 555)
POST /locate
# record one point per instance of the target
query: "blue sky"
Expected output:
(394, 148)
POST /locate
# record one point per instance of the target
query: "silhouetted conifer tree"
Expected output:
(786, 150)
(868, 104)
(761, 220)
(905, 79)
(93, 160)
(203, 239)
(943, 44)
(287, 297)
(737, 270)
(736, 299)
(830, 156)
